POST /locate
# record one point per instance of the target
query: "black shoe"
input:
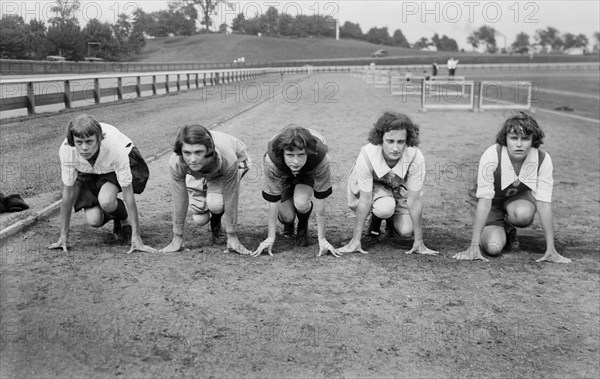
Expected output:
(126, 233)
(117, 231)
(511, 240)
(390, 232)
(302, 238)
(371, 238)
(217, 237)
(288, 231)
(215, 228)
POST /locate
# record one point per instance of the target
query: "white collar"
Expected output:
(528, 173)
(381, 168)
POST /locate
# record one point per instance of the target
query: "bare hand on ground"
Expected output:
(420, 248)
(325, 246)
(473, 253)
(352, 247)
(266, 244)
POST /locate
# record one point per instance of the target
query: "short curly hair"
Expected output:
(295, 137)
(394, 121)
(522, 124)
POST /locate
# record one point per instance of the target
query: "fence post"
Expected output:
(138, 86)
(97, 91)
(119, 88)
(30, 99)
(67, 94)
(167, 83)
(154, 85)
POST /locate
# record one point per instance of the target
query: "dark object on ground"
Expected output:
(564, 109)
(12, 203)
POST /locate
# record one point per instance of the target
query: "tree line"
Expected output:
(548, 39)
(63, 35)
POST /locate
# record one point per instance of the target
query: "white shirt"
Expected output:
(361, 178)
(539, 181)
(113, 157)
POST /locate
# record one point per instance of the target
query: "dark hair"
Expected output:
(194, 135)
(84, 126)
(394, 121)
(295, 137)
(522, 124)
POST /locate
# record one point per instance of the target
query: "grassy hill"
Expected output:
(226, 48)
(213, 48)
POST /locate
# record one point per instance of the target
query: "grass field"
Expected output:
(95, 312)
(225, 48)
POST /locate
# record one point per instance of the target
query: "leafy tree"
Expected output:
(12, 37)
(209, 8)
(238, 25)
(379, 36)
(549, 37)
(422, 43)
(399, 39)
(444, 44)
(269, 22)
(66, 40)
(596, 41)
(351, 30)
(64, 33)
(285, 25)
(571, 40)
(148, 22)
(35, 42)
(521, 44)
(484, 35)
(101, 33)
(66, 11)
(129, 36)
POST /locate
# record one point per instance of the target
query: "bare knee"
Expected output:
(492, 248)
(302, 197)
(107, 203)
(287, 214)
(493, 239)
(520, 213)
(201, 219)
(384, 207)
(302, 203)
(521, 216)
(94, 217)
(214, 201)
(403, 226)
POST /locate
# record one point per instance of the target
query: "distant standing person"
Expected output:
(97, 162)
(386, 182)
(452, 63)
(434, 69)
(513, 182)
(206, 168)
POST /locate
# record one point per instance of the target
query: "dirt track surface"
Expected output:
(96, 312)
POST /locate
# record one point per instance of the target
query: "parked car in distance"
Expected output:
(93, 59)
(379, 53)
(55, 58)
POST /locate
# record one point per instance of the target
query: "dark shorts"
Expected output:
(497, 216)
(291, 182)
(89, 185)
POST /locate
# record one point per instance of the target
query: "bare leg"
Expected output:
(403, 225)
(493, 239)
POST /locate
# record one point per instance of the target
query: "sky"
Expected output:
(416, 19)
